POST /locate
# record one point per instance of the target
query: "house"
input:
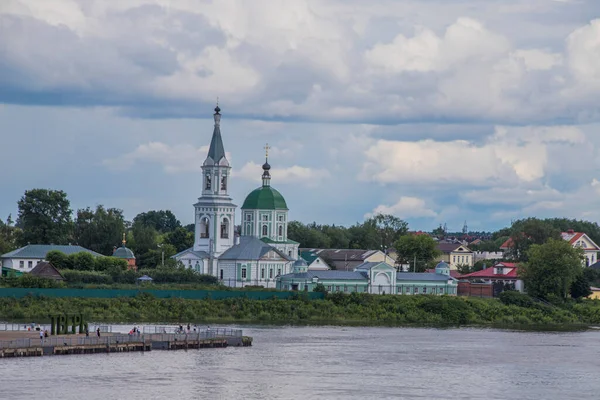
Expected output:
(348, 259)
(315, 263)
(25, 258)
(576, 239)
(47, 270)
(370, 277)
(595, 293)
(502, 272)
(455, 254)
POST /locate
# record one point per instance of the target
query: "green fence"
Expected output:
(162, 294)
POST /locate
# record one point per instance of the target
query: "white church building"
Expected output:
(263, 251)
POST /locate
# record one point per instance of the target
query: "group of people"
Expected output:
(43, 335)
(181, 329)
(135, 331)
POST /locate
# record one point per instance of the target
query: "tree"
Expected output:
(99, 230)
(162, 221)
(525, 233)
(45, 217)
(9, 236)
(551, 269)
(580, 287)
(420, 247)
(180, 238)
(59, 259)
(390, 229)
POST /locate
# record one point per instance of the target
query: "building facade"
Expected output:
(26, 258)
(455, 254)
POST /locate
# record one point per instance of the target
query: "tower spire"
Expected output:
(266, 176)
(216, 150)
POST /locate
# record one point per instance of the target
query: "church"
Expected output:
(262, 251)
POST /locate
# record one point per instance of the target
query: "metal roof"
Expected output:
(328, 275)
(250, 248)
(369, 265)
(199, 254)
(39, 251)
(421, 276)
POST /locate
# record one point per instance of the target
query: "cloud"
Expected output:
(174, 159)
(508, 156)
(406, 207)
(294, 174)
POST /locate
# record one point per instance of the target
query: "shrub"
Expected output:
(513, 297)
(74, 276)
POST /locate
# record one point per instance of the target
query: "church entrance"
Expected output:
(295, 286)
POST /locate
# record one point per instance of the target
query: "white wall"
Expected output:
(15, 263)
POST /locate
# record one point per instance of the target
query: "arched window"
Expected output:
(280, 230)
(265, 230)
(225, 229)
(204, 227)
(224, 182)
(208, 181)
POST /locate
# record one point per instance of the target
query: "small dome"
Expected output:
(442, 264)
(300, 262)
(217, 109)
(264, 198)
(266, 166)
(123, 252)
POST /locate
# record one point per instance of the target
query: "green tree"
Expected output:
(162, 221)
(181, 239)
(9, 236)
(390, 228)
(99, 230)
(59, 259)
(420, 247)
(527, 232)
(45, 217)
(82, 261)
(551, 269)
(580, 287)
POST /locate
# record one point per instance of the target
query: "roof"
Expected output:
(573, 237)
(328, 275)
(216, 150)
(39, 251)
(309, 256)
(199, 254)
(268, 240)
(368, 265)
(450, 247)
(490, 272)
(342, 254)
(264, 198)
(250, 248)
(595, 265)
(123, 252)
(453, 273)
(421, 276)
(46, 270)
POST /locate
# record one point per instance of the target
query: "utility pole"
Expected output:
(160, 246)
(415, 264)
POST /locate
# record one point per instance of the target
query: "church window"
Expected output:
(221, 274)
(278, 271)
(248, 217)
(271, 273)
(265, 217)
(265, 230)
(204, 227)
(189, 262)
(244, 273)
(281, 218)
(262, 273)
(208, 182)
(225, 229)
(224, 182)
(337, 288)
(280, 230)
(329, 288)
(441, 290)
(290, 253)
(424, 290)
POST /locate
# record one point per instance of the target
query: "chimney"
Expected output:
(571, 231)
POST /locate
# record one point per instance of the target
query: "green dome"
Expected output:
(123, 252)
(264, 198)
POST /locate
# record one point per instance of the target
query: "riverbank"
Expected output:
(355, 309)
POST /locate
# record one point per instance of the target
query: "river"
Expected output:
(329, 363)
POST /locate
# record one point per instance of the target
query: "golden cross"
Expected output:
(267, 148)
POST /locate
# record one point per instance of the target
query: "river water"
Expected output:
(329, 363)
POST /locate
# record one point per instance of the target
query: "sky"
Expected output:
(435, 111)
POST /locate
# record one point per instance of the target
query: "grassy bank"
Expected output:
(356, 309)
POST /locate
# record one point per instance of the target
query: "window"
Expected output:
(280, 230)
(225, 229)
(197, 267)
(208, 181)
(441, 290)
(204, 227)
(262, 273)
(337, 288)
(271, 273)
(29, 264)
(224, 182)
(280, 218)
(21, 264)
(265, 230)
(248, 217)
(329, 288)
(424, 290)
(243, 273)
(189, 262)
(290, 253)
(278, 271)
(416, 290)
(454, 259)
(265, 217)
(345, 288)
(221, 274)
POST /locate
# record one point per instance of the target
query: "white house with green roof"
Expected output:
(263, 251)
(27, 257)
(371, 277)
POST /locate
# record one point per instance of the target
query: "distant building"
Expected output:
(348, 259)
(26, 258)
(487, 255)
(314, 262)
(370, 277)
(455, 254)
(502, 272)
(126, 254)
(47, 270)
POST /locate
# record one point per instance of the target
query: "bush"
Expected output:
(513, 297)
(31, 281)
(74, 277)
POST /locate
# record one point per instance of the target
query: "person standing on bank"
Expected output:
(98, 332)
(41, 336)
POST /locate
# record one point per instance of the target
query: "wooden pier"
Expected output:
(114, 343)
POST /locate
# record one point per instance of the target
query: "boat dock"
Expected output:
(27, 345)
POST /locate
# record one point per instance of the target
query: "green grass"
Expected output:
(354, 309)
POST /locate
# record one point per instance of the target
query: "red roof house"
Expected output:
(500, 272)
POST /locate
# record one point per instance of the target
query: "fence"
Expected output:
(117, 339)
(162, 294)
